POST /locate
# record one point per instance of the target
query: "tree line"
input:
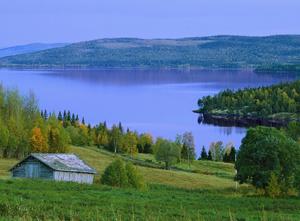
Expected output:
(25, 129)
(258, 102)
(218, 152)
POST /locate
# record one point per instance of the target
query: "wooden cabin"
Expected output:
(60, 167)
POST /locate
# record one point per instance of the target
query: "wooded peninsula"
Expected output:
(277, 104)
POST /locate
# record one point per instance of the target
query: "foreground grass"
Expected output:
(49, 200)
(203, 190)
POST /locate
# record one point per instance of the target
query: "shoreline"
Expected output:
(240, 121)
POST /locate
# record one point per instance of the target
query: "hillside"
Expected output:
(201, 174)
(29, 48)
(203, 52)
(171, 195)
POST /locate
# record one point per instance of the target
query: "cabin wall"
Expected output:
(74, 177)
(32, 168)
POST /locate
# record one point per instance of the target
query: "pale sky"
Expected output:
(54, 21)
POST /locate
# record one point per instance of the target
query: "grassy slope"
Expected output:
(201, 195)
(100, 159)
(205, 52)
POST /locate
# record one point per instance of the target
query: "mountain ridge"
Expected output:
(212, 52)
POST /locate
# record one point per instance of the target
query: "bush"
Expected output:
(273, 189)
(119, 174)
(115, 174)
(135, 180)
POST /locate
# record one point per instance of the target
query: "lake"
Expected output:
(156, 101)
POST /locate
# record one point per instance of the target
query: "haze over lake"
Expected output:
(154, 101)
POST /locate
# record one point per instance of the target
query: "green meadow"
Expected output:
(203, 191)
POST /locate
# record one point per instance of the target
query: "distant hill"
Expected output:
(204, 52)
(29, 48)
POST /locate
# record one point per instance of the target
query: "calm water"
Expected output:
(159, 102)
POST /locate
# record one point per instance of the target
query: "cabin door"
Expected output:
(32, 170)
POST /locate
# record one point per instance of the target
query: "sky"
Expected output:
(55, 21)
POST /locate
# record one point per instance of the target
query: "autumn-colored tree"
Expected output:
(145, 143)
(129, 144)
(102, 138)
(38, 142)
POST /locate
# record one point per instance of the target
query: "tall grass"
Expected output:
(48, 200)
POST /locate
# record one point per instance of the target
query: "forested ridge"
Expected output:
(277, 102)
(219, 52)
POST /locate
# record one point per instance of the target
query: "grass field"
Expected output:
(204, 191)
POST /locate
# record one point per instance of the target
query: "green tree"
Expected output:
(188, 148)
(265, 151)
(167, 152)
(58, 138)
(115, 142)
(209, 156)
(4, 137)
(203, 155)
(145, 142)
(129, 143)
(216, 150)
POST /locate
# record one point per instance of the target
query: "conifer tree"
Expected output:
(60, 117)
(65, 116)
(69, 116)
(232, 155)
(45, 115)
(209, 157)
(203, 154)
(73, 120)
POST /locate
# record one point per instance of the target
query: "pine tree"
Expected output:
(82, 121)
(232, 155)
(203, 154)
(121, 127)
(65, 116)
(73, 119)
(69, 116)
(45, 115)
(59, 117)
(209, 157)
(89, 129)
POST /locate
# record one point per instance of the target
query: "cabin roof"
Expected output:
(62, 162)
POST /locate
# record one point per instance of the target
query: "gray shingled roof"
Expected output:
(64, 162)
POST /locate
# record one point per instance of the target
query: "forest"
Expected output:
(280, 102)
(214, 52)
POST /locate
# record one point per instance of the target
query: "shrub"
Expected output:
(273, 189)
(115, 174)
(119, 174)
(135, 180)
